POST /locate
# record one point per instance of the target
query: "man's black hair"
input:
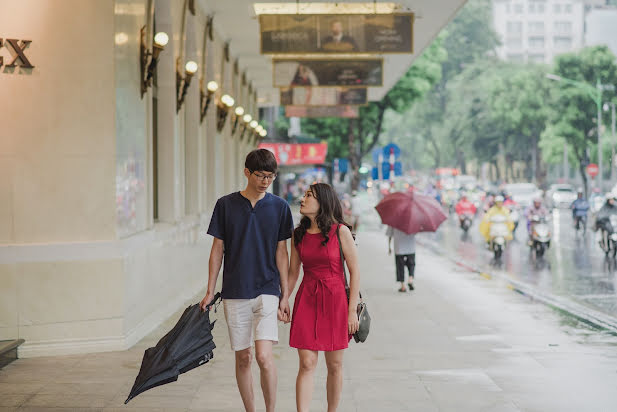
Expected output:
(261, 160)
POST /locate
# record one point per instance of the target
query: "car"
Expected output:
(560, 196)
(523, 193)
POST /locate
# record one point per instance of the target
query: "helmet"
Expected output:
(498, 199)
(610, 195)
(579, 190)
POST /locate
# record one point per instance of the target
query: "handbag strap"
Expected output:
(340, 248)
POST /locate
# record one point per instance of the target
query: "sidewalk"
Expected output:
(459, 343)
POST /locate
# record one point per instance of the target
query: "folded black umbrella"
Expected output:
(188, 345)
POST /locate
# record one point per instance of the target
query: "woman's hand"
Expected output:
(352, 322)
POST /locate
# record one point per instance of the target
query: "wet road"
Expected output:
(574, 267)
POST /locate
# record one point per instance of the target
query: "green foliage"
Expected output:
(417, 81)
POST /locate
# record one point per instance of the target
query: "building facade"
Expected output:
(538, 30)
(601, 27)
(106, 194)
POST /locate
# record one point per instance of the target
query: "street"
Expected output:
(459, 342)
(574, 267)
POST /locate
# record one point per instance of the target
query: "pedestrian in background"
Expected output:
(323, 319)
(404, 256)
(250, 229)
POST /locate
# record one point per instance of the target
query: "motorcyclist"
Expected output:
(603, 217)
(497, 209)
(465, 207)
(536, 209)
(580, 207)
(508, 201)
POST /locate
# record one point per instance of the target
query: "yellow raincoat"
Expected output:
(485, 225)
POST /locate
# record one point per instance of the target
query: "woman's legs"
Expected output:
(334, 385)
(304, 381)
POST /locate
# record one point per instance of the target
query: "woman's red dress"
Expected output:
(320, 310)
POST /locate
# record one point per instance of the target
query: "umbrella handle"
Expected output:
(216, 297)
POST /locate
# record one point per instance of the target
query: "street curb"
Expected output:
(577, 310)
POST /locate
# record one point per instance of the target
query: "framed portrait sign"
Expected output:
(336, 33)
(327, 72)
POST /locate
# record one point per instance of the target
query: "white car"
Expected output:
(561, 195)
(523, 193)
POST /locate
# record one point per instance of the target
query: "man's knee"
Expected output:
(264, 359)
(244, 358)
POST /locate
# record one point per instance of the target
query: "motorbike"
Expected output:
(498, 233)
(540, 235)
(465, 221)
(608, 240)
(514, 216)
(580, 224)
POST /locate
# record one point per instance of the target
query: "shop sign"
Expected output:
(18, 51)
(297, 153)
(347, 112)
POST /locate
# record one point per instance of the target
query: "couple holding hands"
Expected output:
(250, 230)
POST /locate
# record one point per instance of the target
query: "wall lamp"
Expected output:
(246, 119)
(253, 125)
(147, 68)
(182, 83)
(222, 109)
(238, 113)
(205, 98)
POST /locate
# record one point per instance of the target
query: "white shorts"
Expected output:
(251, 319)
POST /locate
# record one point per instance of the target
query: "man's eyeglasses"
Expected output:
(263, 177)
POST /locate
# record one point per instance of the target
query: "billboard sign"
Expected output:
(323, 96)
(336, 33)
(348, 112)
(325, 72)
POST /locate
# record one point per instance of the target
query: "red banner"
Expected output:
(297, 153)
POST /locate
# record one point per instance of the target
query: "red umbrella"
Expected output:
(410, 212)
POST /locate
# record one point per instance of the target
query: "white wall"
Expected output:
(84, 266)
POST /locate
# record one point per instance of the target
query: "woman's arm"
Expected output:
(294, 268)
(351, 257)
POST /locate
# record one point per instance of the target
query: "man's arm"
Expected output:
(214, 267)
(282, 263)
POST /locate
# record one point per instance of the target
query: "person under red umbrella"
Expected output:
(407, 214)
(404, 256)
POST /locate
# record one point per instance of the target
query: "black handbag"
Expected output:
(364, 319)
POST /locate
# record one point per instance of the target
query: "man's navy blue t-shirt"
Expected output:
(250, 236)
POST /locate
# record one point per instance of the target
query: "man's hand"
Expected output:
(284, 312)
(206, 300)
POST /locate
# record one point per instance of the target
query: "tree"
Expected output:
(362, 134)
(440, 117)
(574, 116)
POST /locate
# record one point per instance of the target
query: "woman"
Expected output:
(322, 320)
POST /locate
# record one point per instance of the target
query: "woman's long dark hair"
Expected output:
(330, 212)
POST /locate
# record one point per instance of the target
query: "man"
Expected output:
(337, 41)
(404, 255)
(579, 207)
(251, 228)
(465, 207)
(603, 221)
(497, 209)
(536, 209)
